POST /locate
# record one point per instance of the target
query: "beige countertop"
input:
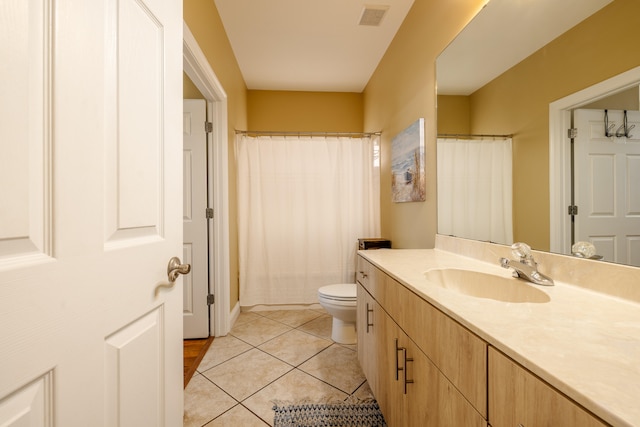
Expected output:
(584, 343)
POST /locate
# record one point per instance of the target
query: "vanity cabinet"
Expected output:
(453, 377)
(411, 389)
(457, 352)
(518, 398)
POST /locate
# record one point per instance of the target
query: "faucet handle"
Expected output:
(522, 251)
(583, 249)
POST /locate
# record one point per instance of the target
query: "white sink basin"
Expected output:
(484, 285)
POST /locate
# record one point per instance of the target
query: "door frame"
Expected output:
(560, 152)
(196, 66)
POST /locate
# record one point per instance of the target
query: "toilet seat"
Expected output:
(341, 292)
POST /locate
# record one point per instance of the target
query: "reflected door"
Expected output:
(607, 184)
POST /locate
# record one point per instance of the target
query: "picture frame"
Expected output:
(408, 183)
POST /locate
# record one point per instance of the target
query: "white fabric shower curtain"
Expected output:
(475, 189)
(302, 204)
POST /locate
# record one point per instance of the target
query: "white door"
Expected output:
(90, 212)
(607, 185)
(196, 284)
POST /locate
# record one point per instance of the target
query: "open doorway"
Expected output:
(561, 176)
(198, 69)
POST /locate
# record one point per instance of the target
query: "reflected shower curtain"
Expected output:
(475, 189)
(302, 204)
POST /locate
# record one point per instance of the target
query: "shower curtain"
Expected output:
(475, 189)
(302, 204)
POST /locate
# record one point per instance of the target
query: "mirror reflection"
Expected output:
(513, 81)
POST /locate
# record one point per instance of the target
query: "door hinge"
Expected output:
(208, 127)
(210, 299)
(209, 213)
(572, 133)
(573, 210)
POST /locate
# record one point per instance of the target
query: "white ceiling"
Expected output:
(317, 45)
(308, 45)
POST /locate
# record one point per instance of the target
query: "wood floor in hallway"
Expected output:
(193, 352)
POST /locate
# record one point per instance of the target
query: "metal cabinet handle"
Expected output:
(363, 274)
(369, 324)
(398, 368)
(404, 370)
(176, 268)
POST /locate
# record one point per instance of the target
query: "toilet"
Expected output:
(340, 302)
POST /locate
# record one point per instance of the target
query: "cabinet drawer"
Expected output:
(517, 397)
(370, 277)
(459, 354)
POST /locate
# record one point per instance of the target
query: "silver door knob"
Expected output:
(175, 268)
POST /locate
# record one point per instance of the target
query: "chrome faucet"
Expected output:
(526, 268)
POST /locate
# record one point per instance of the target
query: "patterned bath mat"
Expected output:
(364, 414)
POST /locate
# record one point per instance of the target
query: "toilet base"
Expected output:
(343, 332)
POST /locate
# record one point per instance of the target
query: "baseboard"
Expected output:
(233, 316)
(266, 307)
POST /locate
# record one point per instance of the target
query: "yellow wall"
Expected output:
(517, 103)
(454, 114)
(626, 100)
(189, 90)
(204, 22)
(305, 111)
(401, 90)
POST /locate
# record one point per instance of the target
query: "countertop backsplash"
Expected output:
(616, 280)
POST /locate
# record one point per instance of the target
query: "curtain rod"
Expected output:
(280, 133)
(471, 135)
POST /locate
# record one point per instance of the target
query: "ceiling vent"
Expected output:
(373, 15)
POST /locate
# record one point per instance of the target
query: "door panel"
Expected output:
(89, 324)
(30, 406)
(133, 371)
(25, 131)
(135, 166)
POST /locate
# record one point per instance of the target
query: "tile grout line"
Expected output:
(292, 367)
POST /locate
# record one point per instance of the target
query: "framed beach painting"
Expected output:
(407, 164)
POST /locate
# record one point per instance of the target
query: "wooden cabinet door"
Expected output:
(518, 398)
(410, 389)
(428, 398)
(391, 399)
(367, 326)
(459, 354)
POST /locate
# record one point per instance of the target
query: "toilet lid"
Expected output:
(343, 291)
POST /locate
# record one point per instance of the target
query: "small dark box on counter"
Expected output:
(374, 243)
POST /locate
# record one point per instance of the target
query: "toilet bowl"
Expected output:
(340, 302)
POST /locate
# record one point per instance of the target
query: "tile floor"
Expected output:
(271, 355)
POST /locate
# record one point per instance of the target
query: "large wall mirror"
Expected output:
(526, 72)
